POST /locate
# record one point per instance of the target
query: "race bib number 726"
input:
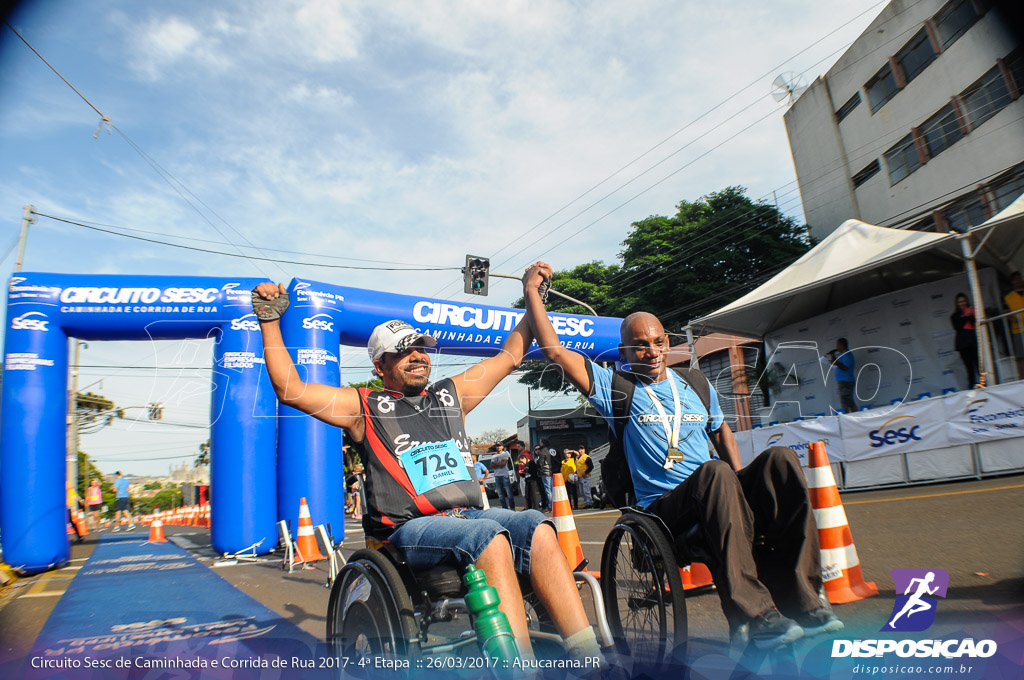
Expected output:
(434, 464)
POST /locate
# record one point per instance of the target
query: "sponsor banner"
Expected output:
(914, 426)
(981, 415)
(799, 435)
(745, 445)
(902, 346)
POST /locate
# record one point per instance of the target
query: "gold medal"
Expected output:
(674, 455)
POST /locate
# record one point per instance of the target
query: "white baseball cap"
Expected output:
(395, 336)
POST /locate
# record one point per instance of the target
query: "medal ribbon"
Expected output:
(671, 433)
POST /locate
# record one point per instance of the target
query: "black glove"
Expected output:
(269, 310)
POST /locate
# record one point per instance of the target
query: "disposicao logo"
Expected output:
(914, 611)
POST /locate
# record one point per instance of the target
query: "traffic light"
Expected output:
(475, 274)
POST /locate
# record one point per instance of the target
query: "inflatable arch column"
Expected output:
(43, 311)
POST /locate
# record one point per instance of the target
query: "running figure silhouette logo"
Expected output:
(914, 609)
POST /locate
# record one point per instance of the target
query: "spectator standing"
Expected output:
(528, 474)
(73, 499)
(1015, 302)
(570, 477)
(966, 343)
(584, 468)
(845, 369)
(482, 473)
(544, 470)
(122, 503)
(502, 483)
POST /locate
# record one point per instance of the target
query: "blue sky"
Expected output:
(405, 132)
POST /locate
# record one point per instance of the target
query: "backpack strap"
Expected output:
(698, 382)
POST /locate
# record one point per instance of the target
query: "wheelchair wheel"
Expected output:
(643, 592)
(369, 615)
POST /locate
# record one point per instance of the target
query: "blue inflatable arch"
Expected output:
(264, 457)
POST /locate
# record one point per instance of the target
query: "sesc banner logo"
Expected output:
(30, 321)
(245, 323)
(898, 434)
(913, 611)
(320, 322)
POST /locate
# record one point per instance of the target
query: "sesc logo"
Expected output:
(229, 287)
(15, 282)
(320, 322)
(896, 435)
(30, 322)
(245, 323)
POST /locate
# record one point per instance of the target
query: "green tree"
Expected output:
(711, 252)
(152, 486)
(204, 454)
(164, 499)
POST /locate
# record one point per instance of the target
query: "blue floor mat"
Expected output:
(151, 610)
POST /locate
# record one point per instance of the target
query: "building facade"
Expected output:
(920, 124)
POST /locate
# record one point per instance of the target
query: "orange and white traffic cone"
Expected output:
(305, 539)
(565, 525)
(840, 566)
(156, 532)
(697, 575)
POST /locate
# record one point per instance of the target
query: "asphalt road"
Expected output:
(974, 530)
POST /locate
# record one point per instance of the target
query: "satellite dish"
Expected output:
(789, 84)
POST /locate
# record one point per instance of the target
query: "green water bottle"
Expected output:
(492, 628)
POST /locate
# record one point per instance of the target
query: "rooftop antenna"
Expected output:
(789, 84)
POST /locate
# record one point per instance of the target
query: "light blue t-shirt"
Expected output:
(121, 487)
(849, 374)
(645, 439)
(481, 470)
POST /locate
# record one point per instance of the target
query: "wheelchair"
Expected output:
(383, 615)
(642, 588)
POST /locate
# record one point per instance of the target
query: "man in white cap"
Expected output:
(421, 487)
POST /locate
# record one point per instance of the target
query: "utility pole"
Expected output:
(72, 420)
(29, 217)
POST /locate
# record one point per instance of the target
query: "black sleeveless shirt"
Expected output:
(396, 424)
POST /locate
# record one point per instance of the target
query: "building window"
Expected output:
(954, 19)
(966, 213)
(867, 173)
(849, 106)
(1008, 189)
(881, 88)
(916, 55)
(902, 159)
(941, 131)
(986, 98)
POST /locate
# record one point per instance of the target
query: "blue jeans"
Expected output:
(503, 486)
(462, 535)
(547, 491)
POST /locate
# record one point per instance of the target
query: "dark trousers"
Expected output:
(732, 509)
(574, 497)
(970, 358)
(532, 493)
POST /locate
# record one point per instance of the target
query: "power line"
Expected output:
(242, 255)
(703, 115)
(91, 223)
(163, 173)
